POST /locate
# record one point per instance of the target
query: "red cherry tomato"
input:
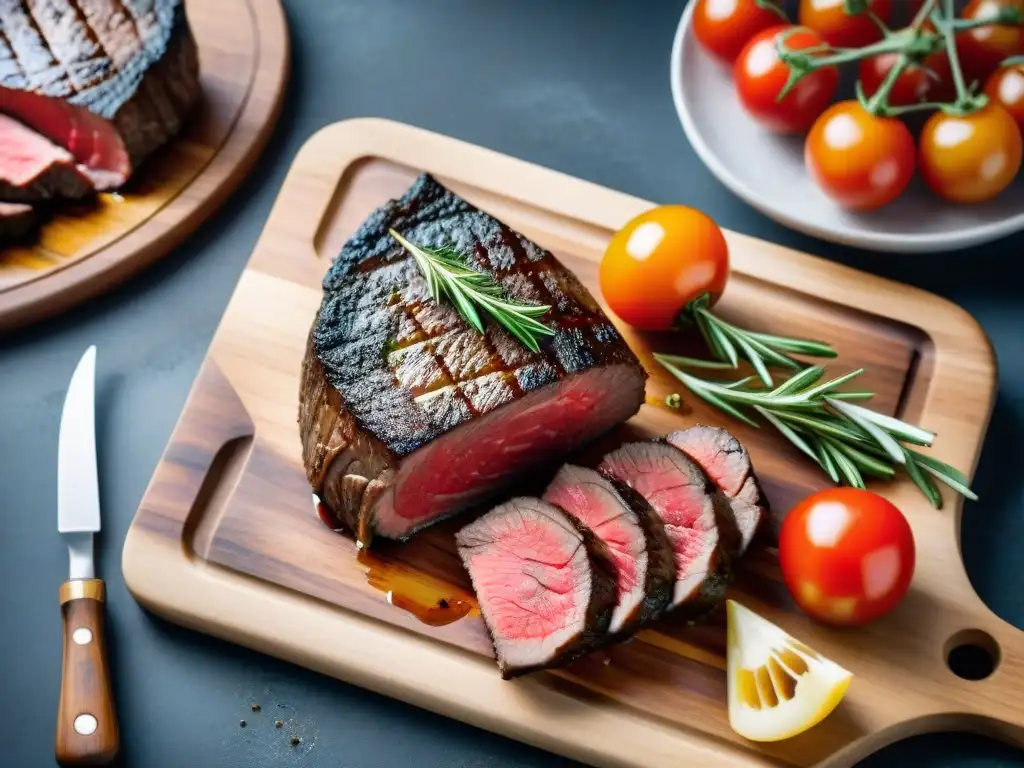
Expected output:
(1006, 88)
(912, 86)
(841, 29)
(970, 158)
(760, 77)
(659, 262)
(723, 28)
(858, 159)
(983, 48)
(847, 556)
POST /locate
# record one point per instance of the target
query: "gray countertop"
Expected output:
(577, 85)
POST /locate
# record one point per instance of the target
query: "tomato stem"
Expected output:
(1006, 17)
(773, 6)
(1013, 61)
(966, 102)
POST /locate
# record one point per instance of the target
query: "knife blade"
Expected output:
(87, 728)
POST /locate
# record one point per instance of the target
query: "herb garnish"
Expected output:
(449, 276)
(846, 440)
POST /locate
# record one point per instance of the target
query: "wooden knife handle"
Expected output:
(87, 732)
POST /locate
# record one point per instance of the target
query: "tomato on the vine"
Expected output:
(760, 76)
(970, 158)
(847, 556)
(913, 85)
(1006, 88)
(659, 262)
(841, 29)
(981, 49)
(724, 28)
(858, 159)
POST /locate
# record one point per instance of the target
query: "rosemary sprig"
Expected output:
(729, 343)
(847, 441)
(448, 276)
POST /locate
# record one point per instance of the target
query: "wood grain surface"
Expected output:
(226, 541)
(87, 727)
(88, 247)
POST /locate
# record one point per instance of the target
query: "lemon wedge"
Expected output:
(778, 687)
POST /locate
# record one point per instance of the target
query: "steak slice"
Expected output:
(727, 463)
(695, 515)
(545, 585)
(33, 168)
(406, 413)
(634, 536)
(108, 81)
(16, 220)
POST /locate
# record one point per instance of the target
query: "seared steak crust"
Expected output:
(388, 370)
(16, 219)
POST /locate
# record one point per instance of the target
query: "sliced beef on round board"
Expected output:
(545, 584)
(16, 220)
(406, 413)
(695, 514)
(33, 168)
(724, 459)
(634, 536)
(109, 82)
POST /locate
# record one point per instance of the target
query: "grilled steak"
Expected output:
(16, 220)
(728, 465)
(696, 517)
(544, 582)
(108, 81)
(33, 168)
(406, 413)
(634, 536)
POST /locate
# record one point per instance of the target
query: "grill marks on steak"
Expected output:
(696, 518)
(633, 535)
(399, 389)
(544, 582)
(33, 168)
(724, 459)
(110, 81)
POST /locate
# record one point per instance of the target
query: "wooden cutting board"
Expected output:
(89, 247)
(225, 540)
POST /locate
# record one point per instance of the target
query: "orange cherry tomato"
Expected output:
(723, 28)
(659, 262)
(983, 48)
(760, 76)
(1006, 88)
(912, 86)
(970, 158)
(841, 29)
(847, 556)
(860, 160)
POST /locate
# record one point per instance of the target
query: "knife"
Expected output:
(87, 730)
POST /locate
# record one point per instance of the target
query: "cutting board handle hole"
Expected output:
(972, 654)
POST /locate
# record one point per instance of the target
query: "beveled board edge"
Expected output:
(367, 653)
(170, 225)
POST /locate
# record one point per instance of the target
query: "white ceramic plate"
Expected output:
(767, 171)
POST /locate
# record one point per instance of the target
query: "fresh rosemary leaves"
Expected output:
(846, 440)
(448, 276)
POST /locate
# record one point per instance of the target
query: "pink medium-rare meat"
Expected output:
(694, 513)
(724, 459)
(634, 536)
(545, 584)
(407, 414)
(107, 81)
(33, 168)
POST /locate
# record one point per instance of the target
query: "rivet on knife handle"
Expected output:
(87, 731)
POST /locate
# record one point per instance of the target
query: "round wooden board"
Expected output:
(85, 249)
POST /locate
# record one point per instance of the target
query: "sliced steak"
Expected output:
(33, 168)
(728, 465)
(16, 220)
(634, 536)
(695, 514)
(545, 585)
(108, 81)
(406, 413)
